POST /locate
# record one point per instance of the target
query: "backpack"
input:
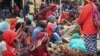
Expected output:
(96, 16)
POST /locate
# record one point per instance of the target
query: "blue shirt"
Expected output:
(56, 37)
(36, 31)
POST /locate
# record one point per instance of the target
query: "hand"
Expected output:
(82, 36)
(44, 39)
(20, 29)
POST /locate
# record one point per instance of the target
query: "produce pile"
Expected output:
(73, 29)
(61, 48)
(64, 50)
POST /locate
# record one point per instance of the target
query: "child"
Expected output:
(2, 44)
(57, 34)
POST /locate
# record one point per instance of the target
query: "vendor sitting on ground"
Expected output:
(57, 35)
(77, 43)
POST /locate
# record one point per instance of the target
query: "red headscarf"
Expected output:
(64, 16)
(9, 37)
(12, 23)
(47, 11)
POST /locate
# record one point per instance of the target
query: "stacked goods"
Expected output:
(64, 50)
(55, 48)
(71, 52)
(73, 29)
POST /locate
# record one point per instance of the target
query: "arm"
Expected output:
(34, 34)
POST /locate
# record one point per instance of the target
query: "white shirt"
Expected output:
(2, 47)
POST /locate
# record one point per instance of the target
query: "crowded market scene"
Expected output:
(49, 27)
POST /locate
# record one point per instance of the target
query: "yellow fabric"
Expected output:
(65, 26)
(31, 8)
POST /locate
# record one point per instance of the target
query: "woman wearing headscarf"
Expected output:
(40, 41)
(9, 37)
(77, 43)
(12, 23)
(57, 34)
(46, 12)
(88, 28)
(2, 43)
(42, 49)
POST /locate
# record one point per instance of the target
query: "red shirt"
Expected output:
(86, 20)
(50, 28)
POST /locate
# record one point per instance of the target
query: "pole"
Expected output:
(52, 1)
(23, 3)
(12, 1)
(12, 4)
(35, 4)
(60, 7)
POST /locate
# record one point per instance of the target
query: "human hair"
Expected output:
(28, 22)
(26, 30)
(1, 32)
(18, 26)
(42, 23)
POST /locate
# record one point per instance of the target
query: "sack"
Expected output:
(96, 16)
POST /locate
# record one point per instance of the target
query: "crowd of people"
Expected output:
(30, 32)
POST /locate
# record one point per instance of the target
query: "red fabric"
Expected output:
(65, 15)
(62, 17)
(9, 37)
(42, 50)
(7, 53)
(50, 28)
(12, 23)
(28, 40)
(47, 11)
(90, 0)
(16, 8)
(86, 20)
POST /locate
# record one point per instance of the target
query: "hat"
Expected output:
(76, 36)
(51, 18)
(57, 27)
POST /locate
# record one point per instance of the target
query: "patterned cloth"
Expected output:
(91, 43)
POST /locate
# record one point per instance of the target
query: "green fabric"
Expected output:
(79, 2)
(33, 24)
(77, 43)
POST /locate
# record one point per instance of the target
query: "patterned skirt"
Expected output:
(91, 43)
